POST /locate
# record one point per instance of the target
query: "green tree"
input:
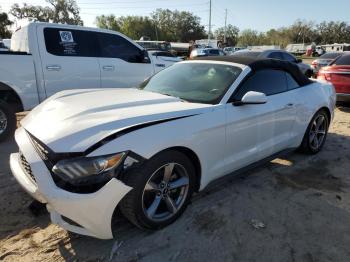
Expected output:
(177, 26)
(163, 24)
(4, 24)
(333, 32)
(108, 22)
(249, 37)
(231, 34)
(58, 11)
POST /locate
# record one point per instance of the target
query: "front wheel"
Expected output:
(7, 120)
(161, 190)
(316, 133)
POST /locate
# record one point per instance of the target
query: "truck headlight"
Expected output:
(86, 166)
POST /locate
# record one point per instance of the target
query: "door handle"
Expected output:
(160, 65)
(53, 67)
(108, 68)
(289, 105)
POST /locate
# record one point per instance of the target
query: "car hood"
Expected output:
(74, 120)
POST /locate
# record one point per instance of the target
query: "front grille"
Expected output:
(25, 165)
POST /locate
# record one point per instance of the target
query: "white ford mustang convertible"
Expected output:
(85, 153)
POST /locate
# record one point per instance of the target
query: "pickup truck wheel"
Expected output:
(316, 133)
(161, 190)
(7, 120)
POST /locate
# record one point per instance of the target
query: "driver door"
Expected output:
(256, 131)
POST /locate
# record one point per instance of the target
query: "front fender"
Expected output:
(204, 134)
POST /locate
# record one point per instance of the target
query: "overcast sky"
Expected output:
(255, 14)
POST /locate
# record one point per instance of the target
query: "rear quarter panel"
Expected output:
(308, 100)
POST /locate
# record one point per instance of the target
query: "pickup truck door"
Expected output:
(122, 63)
(68, 59)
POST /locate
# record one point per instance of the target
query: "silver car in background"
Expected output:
(199, 52)
(277, 54)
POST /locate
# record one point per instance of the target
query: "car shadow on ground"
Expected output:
(297, 179)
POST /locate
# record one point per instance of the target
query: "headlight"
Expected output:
(86, 166)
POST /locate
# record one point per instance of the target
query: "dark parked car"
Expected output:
(277, 54)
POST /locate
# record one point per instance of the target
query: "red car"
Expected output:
(338, 73)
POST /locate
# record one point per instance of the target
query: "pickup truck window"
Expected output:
(68, 42)
(115, 46)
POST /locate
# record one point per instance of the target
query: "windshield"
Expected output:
(329, 55)
(342, 60)
(194, 82)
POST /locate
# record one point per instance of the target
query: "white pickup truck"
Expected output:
(46, 58)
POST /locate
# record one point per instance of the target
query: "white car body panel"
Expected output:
(224, 137)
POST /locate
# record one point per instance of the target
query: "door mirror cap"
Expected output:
(252, 98)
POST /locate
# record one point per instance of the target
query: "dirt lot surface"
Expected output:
(292, 209)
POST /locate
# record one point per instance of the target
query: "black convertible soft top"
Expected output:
(263, 63)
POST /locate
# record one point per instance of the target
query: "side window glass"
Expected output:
(289, 58)
(214, 52)
(292, 84)
(67, 42)
(115, 46)
(275, 55)
(267, 81)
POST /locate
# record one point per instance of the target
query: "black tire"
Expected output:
(132, 205)
(308, 146)
(7, 111)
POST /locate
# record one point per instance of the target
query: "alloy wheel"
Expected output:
(165, 192)
(317, 132)
(3, 122)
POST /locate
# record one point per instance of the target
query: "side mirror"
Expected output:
(299, 60)
(252, 98)
(145, 57)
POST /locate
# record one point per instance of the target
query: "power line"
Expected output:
(128, 2)
(135, 7)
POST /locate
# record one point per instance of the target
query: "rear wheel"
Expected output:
(7, 120)
(161, 190)
(316, 133)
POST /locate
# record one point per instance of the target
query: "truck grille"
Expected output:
(25, 165)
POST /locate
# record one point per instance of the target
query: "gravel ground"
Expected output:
(292, 209)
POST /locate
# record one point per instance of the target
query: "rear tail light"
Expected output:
(324, 75)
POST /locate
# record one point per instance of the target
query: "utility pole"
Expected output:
(209, 21)
(225, 25)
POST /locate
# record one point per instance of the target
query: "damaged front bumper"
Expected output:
(91, 213)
